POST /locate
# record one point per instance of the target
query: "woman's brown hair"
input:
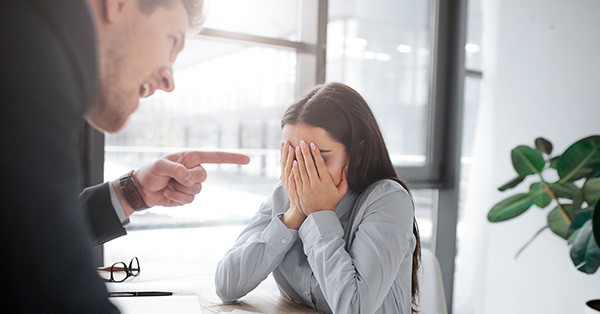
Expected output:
(346, 116)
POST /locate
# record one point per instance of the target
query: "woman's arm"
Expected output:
(357, 281)
(258, 250)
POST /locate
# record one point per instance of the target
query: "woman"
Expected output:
(338, 233)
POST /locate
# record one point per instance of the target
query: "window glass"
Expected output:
(424, 205)
(227, 97)
(231, 96)
(382, 49)
(474, 30)
(463, 275)
(270, 18)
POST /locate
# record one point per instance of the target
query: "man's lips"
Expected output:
(145, 90)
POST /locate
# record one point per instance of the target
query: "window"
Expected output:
(471, 106)
(382, 49)
(236, 108)
(231, 91)
(236, 78)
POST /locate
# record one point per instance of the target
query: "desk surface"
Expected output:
(264, 299)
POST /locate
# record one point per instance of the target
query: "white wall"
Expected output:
(541, 78)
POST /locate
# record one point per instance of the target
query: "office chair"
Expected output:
(432, 299)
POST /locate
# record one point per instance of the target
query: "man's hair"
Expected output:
(195, 9)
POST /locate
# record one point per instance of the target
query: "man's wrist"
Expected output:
(127, 209)
(116, 203)
(131, 193)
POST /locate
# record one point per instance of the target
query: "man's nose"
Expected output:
(166, 81)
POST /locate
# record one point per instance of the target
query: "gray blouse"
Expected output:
(356, 259)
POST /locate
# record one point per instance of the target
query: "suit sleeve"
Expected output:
(104, 222)
(46, 248)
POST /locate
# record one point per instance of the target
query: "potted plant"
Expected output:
(569, 184)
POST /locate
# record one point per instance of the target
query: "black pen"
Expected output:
(139, 294)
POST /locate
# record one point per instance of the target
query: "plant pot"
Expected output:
(592, 307)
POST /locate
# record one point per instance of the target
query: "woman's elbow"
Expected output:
(226, 288)
(225, 295)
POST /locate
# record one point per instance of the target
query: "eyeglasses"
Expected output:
(120, 271)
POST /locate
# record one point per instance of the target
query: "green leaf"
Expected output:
(596, 222)
(591, 190)
(541, 197)
(580, 219)
(559, 223)
(511, 184)
(573, 236)
(553, 162)
(527, 160)
(571, 209)
(510, 207)
(580, 159)
(543, 145)
(585, 252)
(566, 190)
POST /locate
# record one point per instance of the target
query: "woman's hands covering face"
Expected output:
(289, 184)
(310, 184)
(293, 217)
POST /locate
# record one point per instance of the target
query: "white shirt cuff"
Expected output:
(114, 199)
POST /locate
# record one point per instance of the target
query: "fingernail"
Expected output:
(302, 144)
(298, 149)
(313, 146)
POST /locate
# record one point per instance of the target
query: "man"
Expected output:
(49, 79)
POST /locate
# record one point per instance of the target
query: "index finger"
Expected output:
(195, 158)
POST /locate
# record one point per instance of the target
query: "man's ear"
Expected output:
(113, 10)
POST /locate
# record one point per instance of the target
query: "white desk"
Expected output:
(189, 285)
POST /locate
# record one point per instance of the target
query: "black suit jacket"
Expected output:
(104, 222)
(48, 79)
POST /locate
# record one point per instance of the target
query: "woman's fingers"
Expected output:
(289, 161)
(293, 191)
(283, 155)
(298, 189)
(287, 157)
(320, 165)
(300, 165)
(297, 177)
(309, 162)
(343, 185)
(291, 185)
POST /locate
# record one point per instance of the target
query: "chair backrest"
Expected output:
(432, 299)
